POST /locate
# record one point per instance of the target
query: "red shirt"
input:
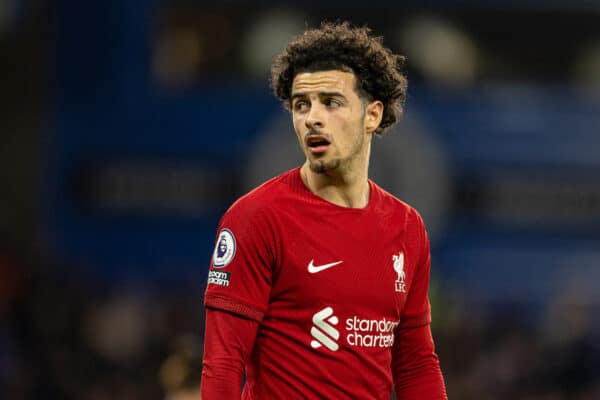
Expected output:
(331, 288)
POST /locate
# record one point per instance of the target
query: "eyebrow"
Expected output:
(320, 94)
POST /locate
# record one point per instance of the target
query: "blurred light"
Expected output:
(586, 69)
(266, 38)
(117, 328)
(180, 373)
(177, 56)
(567, 313)
(174, 372)
(442, 52)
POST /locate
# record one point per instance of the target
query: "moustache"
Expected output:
(316, 132)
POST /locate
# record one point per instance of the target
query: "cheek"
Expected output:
(297, 121)
(349, 127)
(298, 127)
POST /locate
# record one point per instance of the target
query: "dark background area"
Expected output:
(128, 128)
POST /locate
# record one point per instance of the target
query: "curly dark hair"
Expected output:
(340, 46)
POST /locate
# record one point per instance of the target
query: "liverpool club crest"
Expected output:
(399, 268)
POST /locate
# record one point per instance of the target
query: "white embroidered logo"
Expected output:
(399, 268)
(313, 269)
(323, 330)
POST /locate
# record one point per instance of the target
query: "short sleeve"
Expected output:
(241, 268)
(417, 310)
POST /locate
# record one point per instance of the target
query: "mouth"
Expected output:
(317, 144)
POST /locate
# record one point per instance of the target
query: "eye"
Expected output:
(331, 102)
(300, 106)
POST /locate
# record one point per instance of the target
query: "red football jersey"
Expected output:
(329, 285)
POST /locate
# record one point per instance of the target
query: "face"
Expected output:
(329, 119)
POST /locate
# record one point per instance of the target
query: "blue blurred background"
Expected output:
(129, 127)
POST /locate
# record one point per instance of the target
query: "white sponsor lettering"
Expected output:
(218, 278)
(370, 332)
(360, 332)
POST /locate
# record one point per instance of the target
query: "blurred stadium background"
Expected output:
(128, 127)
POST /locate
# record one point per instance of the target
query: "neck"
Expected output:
(347, 188)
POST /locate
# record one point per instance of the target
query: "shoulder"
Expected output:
(398, 209)
(409, 219)
(262, 200)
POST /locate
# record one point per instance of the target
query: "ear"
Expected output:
(373, 116)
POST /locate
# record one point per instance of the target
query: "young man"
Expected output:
(318, 283)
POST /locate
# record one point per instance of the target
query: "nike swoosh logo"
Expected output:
(313, 269)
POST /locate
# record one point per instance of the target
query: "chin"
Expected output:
(322, 166)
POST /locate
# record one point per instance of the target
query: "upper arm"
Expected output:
(242, 265)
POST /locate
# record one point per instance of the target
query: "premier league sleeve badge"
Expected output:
(224, 249)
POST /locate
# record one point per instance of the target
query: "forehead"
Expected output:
(323, 81)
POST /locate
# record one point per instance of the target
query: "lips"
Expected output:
(317, 143)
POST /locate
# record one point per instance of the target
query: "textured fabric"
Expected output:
(415, 366)
(328, 286)
(228, 340)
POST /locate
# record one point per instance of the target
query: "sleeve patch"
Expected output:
(220, 278)
(224, 249)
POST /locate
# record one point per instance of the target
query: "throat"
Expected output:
(335, 189)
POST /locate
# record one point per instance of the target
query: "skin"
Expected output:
(326, 105)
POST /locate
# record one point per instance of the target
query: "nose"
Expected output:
(314, 119)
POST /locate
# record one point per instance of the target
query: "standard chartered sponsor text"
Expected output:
(370, 332)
